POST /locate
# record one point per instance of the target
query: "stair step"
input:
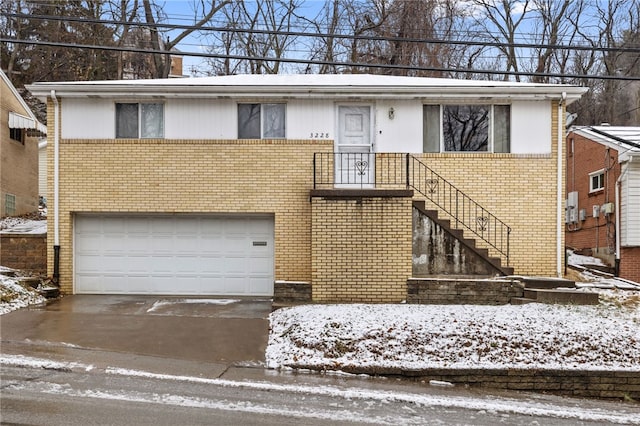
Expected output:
(561, 296)
(458, 234)
(547, 282)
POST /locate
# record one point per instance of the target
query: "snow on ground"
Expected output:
(337, 337)
(15, 296)
(374, 338)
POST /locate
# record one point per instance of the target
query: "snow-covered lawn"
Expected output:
(389, 337)
(15, 296)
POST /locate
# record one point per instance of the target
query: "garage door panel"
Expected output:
(198, 255)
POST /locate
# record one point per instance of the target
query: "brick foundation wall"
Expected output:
(462, 291)
(24, 251)
(361, 248)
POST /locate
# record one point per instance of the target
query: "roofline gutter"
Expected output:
(311, 91)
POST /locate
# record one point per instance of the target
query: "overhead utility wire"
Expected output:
(328, 35)
(318, 62)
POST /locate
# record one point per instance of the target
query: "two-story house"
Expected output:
(225, 185)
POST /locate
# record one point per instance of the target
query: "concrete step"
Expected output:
(570, 297)
(546, 282)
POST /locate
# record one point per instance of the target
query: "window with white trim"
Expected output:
(261, 121)
(467, 128)
(139, 120)
(596, 181)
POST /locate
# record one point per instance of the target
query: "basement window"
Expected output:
(139, 120)
(261, 121)
(596, 181)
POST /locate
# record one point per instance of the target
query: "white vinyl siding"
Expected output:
(630, 206)
(216, 119)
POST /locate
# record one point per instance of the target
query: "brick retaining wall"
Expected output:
(24, 251)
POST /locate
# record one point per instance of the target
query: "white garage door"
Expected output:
(173, 254)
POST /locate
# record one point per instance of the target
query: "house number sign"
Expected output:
(319, 135)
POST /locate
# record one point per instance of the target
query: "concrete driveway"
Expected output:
(226, 332)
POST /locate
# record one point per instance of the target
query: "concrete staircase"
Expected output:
(553, 290)
(494, 264)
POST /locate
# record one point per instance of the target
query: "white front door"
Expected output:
(354, 159)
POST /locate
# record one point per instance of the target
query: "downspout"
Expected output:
(560, 210)
(56, 189)
(617, 213)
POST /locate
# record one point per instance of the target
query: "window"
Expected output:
(17, 135)
(145, 120)
(261, 121)
(596, 181)
(9, 204)
(467, 128)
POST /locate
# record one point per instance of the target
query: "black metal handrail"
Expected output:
(358, 169)
(354, 169)
(465, 212)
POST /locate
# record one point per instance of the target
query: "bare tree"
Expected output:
(500, 21)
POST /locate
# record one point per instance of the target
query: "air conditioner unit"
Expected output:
(607, 208)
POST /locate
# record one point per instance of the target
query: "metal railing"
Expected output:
(465, 212)
(375, 170)
(358, 169)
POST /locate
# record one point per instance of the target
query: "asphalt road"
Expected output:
(76, 394)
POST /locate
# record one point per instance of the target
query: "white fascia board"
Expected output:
(163, 91)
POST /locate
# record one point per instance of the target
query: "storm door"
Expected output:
(354, 158)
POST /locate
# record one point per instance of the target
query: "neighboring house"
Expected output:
(20, 132)
(225, 185)
(603, 195)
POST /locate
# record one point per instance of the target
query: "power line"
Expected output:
(320, 62)
(370, 37)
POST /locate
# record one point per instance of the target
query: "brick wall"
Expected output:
(26, 252)
(519, 189)
(19, 171)
(583, 157)
(630, 263)
(361, 248)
